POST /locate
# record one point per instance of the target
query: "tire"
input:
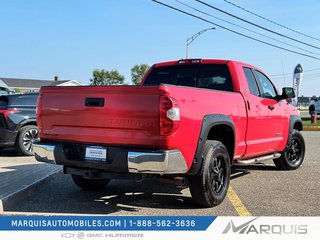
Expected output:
(90, 184)
(210, 187)
(293, 156)
(25, 139)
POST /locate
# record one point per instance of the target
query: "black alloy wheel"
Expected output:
(210, 187)
(293, 156)
(218, 174)
(294, 152)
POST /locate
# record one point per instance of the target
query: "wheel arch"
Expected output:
(29, 122)
(214, 127)
(26, 122)
(295, 124)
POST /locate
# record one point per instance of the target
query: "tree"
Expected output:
(103, 78)
(137, 73)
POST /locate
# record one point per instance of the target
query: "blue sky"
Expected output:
(41, 39)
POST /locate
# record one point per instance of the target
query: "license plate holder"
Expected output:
(96, 153)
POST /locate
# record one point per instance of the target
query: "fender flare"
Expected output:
(294, 119)
(208, 122)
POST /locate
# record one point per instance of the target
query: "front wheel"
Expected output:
(293, 156)
(90, 184)
(210, 187)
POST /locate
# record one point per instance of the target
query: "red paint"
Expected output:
(136, 115)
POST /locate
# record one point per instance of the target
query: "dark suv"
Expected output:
(18, 126)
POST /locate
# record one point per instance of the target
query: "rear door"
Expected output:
(258, 116)
(278, 120)
(267, 120)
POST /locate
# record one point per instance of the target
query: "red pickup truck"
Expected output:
(190, 120)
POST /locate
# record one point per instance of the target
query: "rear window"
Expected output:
(211, 76)
(25, 100)
(18, 101)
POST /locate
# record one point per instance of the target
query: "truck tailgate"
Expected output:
(112, 114)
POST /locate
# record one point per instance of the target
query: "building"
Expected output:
(33, 85)
(303, 102)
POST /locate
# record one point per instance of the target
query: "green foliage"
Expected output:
(104, 78)
(137, 73)
(306, 122)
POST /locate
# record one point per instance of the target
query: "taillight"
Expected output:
(4, 115)
(169, 115)
(7, 112)
(38, 111)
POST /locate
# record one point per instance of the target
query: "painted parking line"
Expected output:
(237, 203)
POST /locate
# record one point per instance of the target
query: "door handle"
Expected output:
(271, 107)
(94, 102)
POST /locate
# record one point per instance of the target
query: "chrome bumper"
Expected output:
(153, 162)
(162, 162)
(44, 153)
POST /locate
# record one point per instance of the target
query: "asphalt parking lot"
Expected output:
(258, 190)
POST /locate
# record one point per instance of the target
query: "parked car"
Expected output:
(18, 125)
(190, 119)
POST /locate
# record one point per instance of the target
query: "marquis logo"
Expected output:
(251, 228)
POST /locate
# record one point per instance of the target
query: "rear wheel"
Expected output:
(293, 156)
(210, 187)
(26, 137)
(90, 184)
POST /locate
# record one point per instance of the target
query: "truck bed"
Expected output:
(130, 116)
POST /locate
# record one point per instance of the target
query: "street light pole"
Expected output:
(193, 37)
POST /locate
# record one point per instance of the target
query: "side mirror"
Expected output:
(287, 92)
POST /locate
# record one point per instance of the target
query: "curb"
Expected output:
(26, 191)
(311, 128)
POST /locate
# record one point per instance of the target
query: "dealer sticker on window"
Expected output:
(96, 153)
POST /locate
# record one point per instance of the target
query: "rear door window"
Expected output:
(252, 83)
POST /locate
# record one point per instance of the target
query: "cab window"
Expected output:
(267, 88)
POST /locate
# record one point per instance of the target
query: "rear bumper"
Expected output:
(7, 137)
(118, 159)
